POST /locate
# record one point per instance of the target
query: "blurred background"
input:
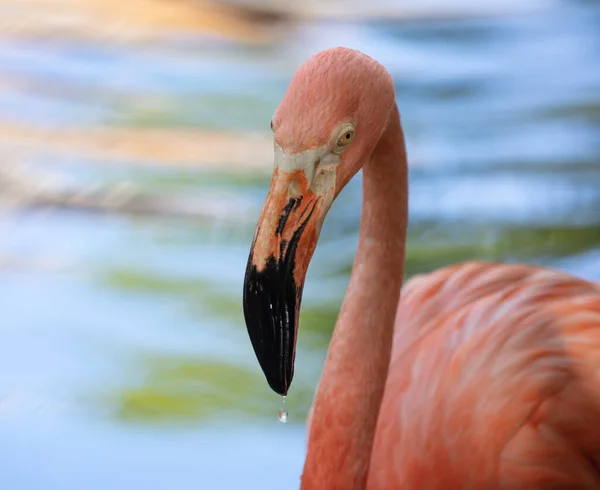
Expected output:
(136, 153)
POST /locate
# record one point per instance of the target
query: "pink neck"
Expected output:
(351, 388)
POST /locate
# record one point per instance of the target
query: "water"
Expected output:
(124, 360)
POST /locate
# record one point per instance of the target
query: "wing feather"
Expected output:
(494, 382)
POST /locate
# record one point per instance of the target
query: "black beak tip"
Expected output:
(277, 382)
(270, 311)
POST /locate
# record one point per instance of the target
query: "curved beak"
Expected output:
(284, 242)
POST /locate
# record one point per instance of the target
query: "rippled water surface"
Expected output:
(124, 360)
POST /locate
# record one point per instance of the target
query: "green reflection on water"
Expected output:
(429, 251)
(550, 242)
(195, 389)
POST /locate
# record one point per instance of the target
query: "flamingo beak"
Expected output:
(284, 242)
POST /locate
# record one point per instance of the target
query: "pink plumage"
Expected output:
(493, 382)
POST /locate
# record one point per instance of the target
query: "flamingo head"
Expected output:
(327, 125)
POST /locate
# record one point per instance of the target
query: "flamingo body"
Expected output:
(493, 382)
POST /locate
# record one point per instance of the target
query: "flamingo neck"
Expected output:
(349, 396)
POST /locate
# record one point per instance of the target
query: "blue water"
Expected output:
(502, 120)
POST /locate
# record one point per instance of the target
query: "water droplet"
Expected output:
(283, 413)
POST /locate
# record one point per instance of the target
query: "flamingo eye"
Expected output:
(345, 139)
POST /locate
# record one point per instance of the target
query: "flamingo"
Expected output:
(475, 376)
